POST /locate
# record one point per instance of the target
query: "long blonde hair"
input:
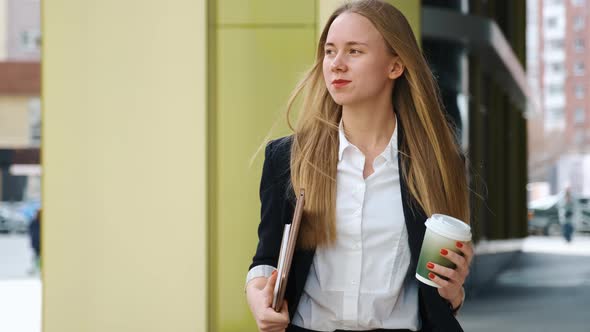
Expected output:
(431, 163)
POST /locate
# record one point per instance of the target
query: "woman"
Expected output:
(376, 156)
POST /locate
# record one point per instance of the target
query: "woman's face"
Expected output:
(357, 64)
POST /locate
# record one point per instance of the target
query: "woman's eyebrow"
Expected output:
(350, 43)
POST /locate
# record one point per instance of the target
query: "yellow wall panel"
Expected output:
(124, 146)
(257, 68)
(266, 12)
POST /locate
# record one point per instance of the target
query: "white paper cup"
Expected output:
(442, 231)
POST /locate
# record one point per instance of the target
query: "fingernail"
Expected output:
(273, 273)
(459, 245)
(444, 252)
(430, 265)
(431, 275)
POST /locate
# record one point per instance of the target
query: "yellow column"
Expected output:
(262, 49)
(124, 158)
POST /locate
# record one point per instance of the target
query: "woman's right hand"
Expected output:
(260, 293)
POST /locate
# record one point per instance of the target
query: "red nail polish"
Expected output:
(273, 273)
(431, 275)
(444, 252)
(459, 245)
(430, 265)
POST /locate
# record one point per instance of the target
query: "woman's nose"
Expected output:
(338, 66)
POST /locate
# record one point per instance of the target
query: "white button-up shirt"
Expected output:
(362, 281)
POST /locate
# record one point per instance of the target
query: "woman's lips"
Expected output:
(340, 83)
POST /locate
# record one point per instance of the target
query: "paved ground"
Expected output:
(20, 305)
(16, 257)
(20, 287)
(546, 289)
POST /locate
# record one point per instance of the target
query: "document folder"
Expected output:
(286, 253)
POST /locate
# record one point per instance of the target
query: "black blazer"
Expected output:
(278, 202)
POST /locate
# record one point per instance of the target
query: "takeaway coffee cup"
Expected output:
(442, 231)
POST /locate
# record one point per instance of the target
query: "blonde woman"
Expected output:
(376, 156)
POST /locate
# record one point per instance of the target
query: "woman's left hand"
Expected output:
(451, 290)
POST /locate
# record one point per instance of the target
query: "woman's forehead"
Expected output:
(352, 27)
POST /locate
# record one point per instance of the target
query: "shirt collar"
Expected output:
(390, 151)
(344, 143)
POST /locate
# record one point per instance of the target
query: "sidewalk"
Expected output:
(545, 289)
(20, 305)
(20, 292)
(580, 245)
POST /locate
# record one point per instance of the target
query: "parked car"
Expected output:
(5, 224)
(546, 215)
(12, 218)
(583, 217)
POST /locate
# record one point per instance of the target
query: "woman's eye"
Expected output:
(328, 52)
(353, 51)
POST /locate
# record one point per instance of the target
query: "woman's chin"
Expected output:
(342, 101)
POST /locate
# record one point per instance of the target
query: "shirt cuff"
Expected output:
(259, 271)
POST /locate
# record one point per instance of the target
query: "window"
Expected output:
(578, 3)
(579, 68)
(579, 23)
(552, 22)
(555, 89)
(579, 138)
(554, 118)
(35, 121)
(579, 91)
(579, 115)
(30, 40)
(556, 113)
(579, 45)
(556, 43)
(557, 66)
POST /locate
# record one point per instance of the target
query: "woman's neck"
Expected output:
(369, 129)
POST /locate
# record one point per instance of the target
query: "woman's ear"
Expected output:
(396, 69)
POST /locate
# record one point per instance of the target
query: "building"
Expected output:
(559, 130)
(20, 105)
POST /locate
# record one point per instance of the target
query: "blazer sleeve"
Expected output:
(271, 226)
